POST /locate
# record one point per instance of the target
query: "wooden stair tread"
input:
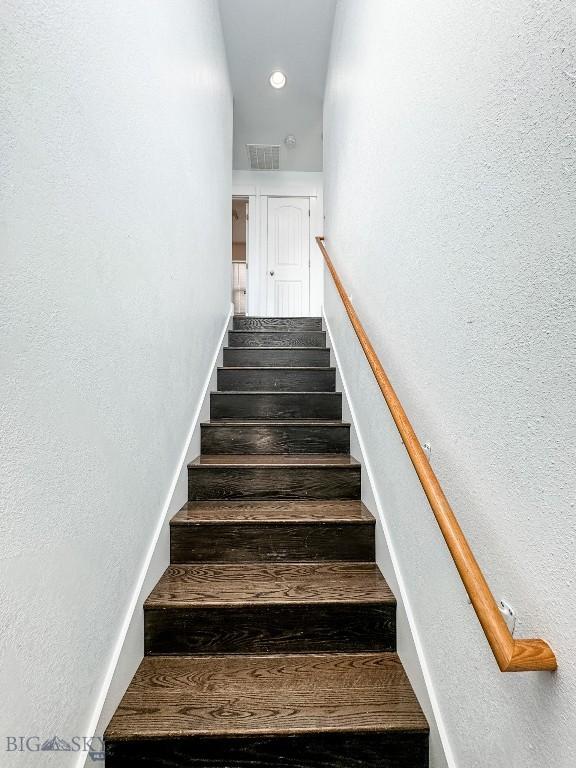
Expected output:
(275, 368)
(275, 459)
(275, 349)
(186, 697)
(296, 331)
(273, 512)
(259, 405)
(271, 337)
(269, 583)
(276, 423)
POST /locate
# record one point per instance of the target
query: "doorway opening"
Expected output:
(240, 217)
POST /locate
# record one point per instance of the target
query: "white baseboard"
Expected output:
(129, 648)
(410, 648)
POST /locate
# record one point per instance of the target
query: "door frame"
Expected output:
(244, 199)
(251, 246)
(258, 186)
(267, 285)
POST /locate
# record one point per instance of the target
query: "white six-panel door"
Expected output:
(288, 259)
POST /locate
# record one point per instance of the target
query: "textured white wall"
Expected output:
(115, 147)
(450, 192)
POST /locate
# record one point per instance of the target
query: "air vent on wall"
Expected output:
(264, 157)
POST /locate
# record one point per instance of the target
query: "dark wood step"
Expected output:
(261, 406)
(326, 749)
(276, 356)
(277, 338)
(276, 379)
(275, 437)
(246, 323)
(298, 711)
(234, 532)
(269, 639)
(308, 476)
(270, 608)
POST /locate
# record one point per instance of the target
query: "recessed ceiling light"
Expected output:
(277, 79)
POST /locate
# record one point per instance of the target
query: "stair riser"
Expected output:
(277, 339)
(271, 628)
(277, 323)
(254, 356)
(310, 750)
(270, 482)
(272, 542)
(270, 439)
(283, 380)
(276, 405)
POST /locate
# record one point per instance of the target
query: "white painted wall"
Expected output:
(115, 145)
(449, 202)
(363, 406)
(258, 186)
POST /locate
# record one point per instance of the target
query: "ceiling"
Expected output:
(293, 36)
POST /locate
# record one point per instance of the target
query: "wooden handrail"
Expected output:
(512, 655)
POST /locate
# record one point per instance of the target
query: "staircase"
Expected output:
(270, 640)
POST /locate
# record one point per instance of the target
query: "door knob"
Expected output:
(271, 273)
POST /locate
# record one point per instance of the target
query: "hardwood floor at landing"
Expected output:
(270, 640)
